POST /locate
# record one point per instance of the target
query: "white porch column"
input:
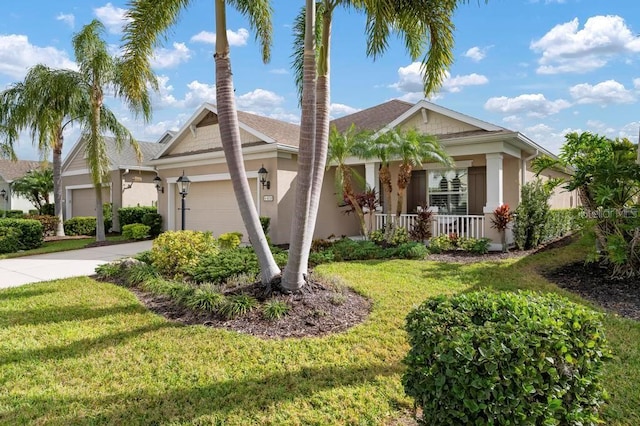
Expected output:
(371, 176)
(494, 182)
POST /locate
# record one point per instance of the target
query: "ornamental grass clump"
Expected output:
(504, 358)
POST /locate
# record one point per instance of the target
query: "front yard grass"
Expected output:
(76, 351)
(60, 245)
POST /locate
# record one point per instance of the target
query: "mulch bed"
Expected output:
(317, 311)
(593, 282)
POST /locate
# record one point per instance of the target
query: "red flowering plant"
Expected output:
(502, 216)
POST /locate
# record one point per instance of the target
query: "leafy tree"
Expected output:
(426, 28)
(343, 146)
(98, 71)
(607, 178)
(48, 100)
(44, 104)
(413, 148)
(150, 20)
(35, 186)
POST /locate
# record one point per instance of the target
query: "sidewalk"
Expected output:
(73, 263)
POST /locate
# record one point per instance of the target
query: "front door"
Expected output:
(477, 190)
(417, 190)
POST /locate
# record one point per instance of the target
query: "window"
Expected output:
(448, 191)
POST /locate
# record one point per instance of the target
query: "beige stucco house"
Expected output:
(10, 171)
(491, 164)
(130, 182)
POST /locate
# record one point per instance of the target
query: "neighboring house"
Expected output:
(491, 164)
(130, 182)
(10, 171)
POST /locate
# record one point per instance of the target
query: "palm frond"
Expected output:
(259, 13)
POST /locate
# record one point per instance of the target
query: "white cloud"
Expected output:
(547, 136)
(533, 105)
(113, 18)
(236, 38)
(260, 101)
(457, 83)
(163, 98)
(410, 81)
(17, 55)
(339, 110)
(636, 83)
(167, 58)
(566, 48)
(281, 71)
(68, 19)
(604, 93)
(199, 93)
(476, 53)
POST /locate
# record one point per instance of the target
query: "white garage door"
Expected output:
(212, 206)
(83, 201)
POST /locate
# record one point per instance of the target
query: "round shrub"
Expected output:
(9, 239)
(174, 252)
(32, 231)
(135, 231)
(80, 225)
(504, 358)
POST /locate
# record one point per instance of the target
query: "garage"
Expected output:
(83, 201)
(212, 206)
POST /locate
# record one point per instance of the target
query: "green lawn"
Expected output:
(77, 351)
(60, 245)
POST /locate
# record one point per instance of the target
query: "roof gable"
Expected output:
(374, 118)
(12, 170)
(260, 128)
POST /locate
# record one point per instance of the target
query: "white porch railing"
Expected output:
(470, 226)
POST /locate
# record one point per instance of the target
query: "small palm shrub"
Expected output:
(175, 252)
(505, 358)
(275, 309)
(237, 305)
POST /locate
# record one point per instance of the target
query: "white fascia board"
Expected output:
(75, 172)
(217, 157)
(140, 168)
(440, 110)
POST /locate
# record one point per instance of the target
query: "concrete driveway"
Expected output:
(66, 264)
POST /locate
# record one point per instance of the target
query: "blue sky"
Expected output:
(543, 68)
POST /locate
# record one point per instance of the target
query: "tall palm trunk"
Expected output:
(385, 179)
(57, 182)
(232, 146)
(99, 174)
(294, 278)
(322, 127)
(404, 177)
(348, 191)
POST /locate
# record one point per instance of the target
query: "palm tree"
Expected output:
(44, 104)
(380, 148)
(100, 70)
(425, 25)
(412, 148)
(150, 20)
(341, 147)
(35, 186)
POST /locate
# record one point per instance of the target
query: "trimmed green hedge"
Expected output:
(505, 358)
(135, 231)
(49, 223)
(9, 239)
(130, 215)
(561, 222)
(80, 225)
(32, 231)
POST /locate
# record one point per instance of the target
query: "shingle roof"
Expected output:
(127, 156)
(12, 170)
(374, 118)
(281, 131)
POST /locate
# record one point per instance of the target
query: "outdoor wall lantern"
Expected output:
(183, 187)
(158, 183)
(3, 194)
(262, 174)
